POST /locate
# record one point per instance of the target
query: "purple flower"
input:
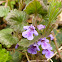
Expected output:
(51, 36)
(30, 30)
(33, 49)
(44, 43)
(16, 46)
(40, 26)
(48, 53)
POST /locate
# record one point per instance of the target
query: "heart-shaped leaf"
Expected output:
(6, 38)
(16, 19)
(34, 7)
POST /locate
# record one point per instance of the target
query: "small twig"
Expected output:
(34, 22)
(51, 60)
(27, 57)
(56, 45)
(6, 3)
(20, 4)
(21, 52)
(39, 60)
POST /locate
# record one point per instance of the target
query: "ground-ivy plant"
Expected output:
(38, 40)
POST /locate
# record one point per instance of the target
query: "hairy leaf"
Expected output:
(16, 56)
(6, 37)
(34, 7)
(27, 43)
(17, 19)
(54, 9)
(4, 11)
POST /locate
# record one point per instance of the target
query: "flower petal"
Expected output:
(32, 49)
(49, 54)
(44, 52)
(30, 36)
(39, 43)
(35, 33)
(45, 45)
(26, 27)
(24, 34)
(37, 47)
(40, 26)
(51, 36)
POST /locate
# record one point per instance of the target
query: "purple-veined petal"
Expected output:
(45, 45)
(44, 39)
(27, 34)
(30, 36)
(49, 54)
(33, 49)
(30, 30)
(37, 46)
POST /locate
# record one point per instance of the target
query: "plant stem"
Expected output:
(34, 22)
(27, 57)
(46, 29)
(20, 4)
(6, 4)
(56, 46)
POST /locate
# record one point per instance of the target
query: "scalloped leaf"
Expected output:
(4, 11)
(6, 37)
(16, 19)
(16, 56)
(34, 7)
(27, 43)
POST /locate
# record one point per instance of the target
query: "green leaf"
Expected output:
(45, 2)
(6, 37)
(4, 55)
(16, 56)
(27, 1)
(27, 43)
(54, 9)
(34, 7)
(4, 11)
(12, 3)
(17, 19)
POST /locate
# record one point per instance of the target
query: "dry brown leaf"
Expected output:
(60, 17)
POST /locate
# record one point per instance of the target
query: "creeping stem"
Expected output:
(56, 46)
(27, 57)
